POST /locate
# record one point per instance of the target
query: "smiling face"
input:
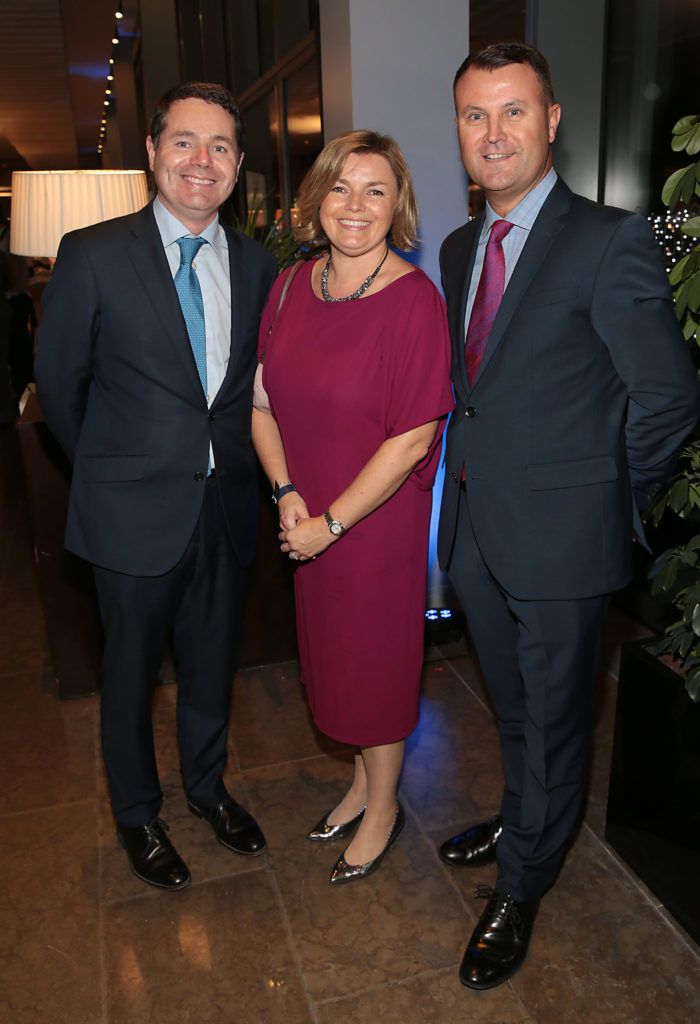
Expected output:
(358, 211)
(505, 131)
(196, 161)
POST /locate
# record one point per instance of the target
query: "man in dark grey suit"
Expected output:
(574, 392)
(145, 369)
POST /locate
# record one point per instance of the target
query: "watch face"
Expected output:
(335, 528)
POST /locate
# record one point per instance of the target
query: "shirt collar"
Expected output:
(171, 229)
(525, 213)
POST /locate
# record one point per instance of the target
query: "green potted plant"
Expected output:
(677, 571)
(653, 818)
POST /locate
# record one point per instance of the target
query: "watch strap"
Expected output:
(336, 527)
(280, 491)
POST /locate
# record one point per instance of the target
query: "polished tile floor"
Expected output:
(268, 941)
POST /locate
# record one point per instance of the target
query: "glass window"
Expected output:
(266, 33)
(243, 45)
(304, 138)
(261, 173)
(651, 82)
(293, 22)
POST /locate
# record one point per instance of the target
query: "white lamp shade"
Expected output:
(47, 204)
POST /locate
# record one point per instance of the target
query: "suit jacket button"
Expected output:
(199, 476)
(454, 476)
(212, 415)
(470, 411)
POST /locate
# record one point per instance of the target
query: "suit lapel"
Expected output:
(547, 226)
(148, 256)
(463, 266)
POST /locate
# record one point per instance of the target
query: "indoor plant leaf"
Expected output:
(691, 227)
(694, 289)
(692, 684)
(684, 124)
(672, 188)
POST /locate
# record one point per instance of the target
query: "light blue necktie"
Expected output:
(190, 295)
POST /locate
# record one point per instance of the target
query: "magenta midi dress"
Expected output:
(341, 379)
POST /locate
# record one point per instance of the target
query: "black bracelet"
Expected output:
(279, 492)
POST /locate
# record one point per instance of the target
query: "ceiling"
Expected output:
(52, 79)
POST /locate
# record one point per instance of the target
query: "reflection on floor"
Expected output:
(267, 941)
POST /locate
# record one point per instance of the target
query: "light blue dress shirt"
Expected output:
(211, 266)
(522, 217)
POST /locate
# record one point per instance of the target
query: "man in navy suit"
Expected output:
(145, 370)
(574, 392)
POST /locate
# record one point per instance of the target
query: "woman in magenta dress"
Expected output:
(347, 425)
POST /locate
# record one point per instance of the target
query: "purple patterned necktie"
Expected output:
(487, 299)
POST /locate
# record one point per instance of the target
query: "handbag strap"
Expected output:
(283, 296)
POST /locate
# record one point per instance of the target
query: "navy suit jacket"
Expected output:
(119, 389)
(584, 395)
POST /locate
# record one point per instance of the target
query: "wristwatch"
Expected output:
(281, 489)
(336, 528)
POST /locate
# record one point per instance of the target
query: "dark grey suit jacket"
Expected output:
(119, 388)
(584, 395)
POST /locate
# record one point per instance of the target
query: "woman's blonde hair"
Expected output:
(328, 167)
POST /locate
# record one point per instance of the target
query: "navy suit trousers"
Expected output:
(540, 661)
(201, 601)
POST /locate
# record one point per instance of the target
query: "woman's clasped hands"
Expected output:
(301, 536)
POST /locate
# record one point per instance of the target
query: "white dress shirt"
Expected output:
(211, 266)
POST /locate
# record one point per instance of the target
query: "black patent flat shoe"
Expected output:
(233, 826)
(325, 833)
(499, 943)
(152, 857)
(475, 846)
(343, 872)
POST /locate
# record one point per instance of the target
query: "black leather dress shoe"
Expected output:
(343, 872)
(152, 856)
(325, 833)
(475, 846)
(233, 827)
(499, 942)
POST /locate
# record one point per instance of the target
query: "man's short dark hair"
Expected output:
(500, 55)
(210, 92)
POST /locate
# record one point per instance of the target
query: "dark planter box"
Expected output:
(653, 818)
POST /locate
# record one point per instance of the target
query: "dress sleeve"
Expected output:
(418, 362)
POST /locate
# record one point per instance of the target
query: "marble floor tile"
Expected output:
(270, 718)
(399, 922)
(437, 998)
(453, 769)
(211, 954)
(600, 952)
(49, 917)
(48, 746)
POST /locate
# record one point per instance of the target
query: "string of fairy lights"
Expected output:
(667, 229)
(118, 16)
